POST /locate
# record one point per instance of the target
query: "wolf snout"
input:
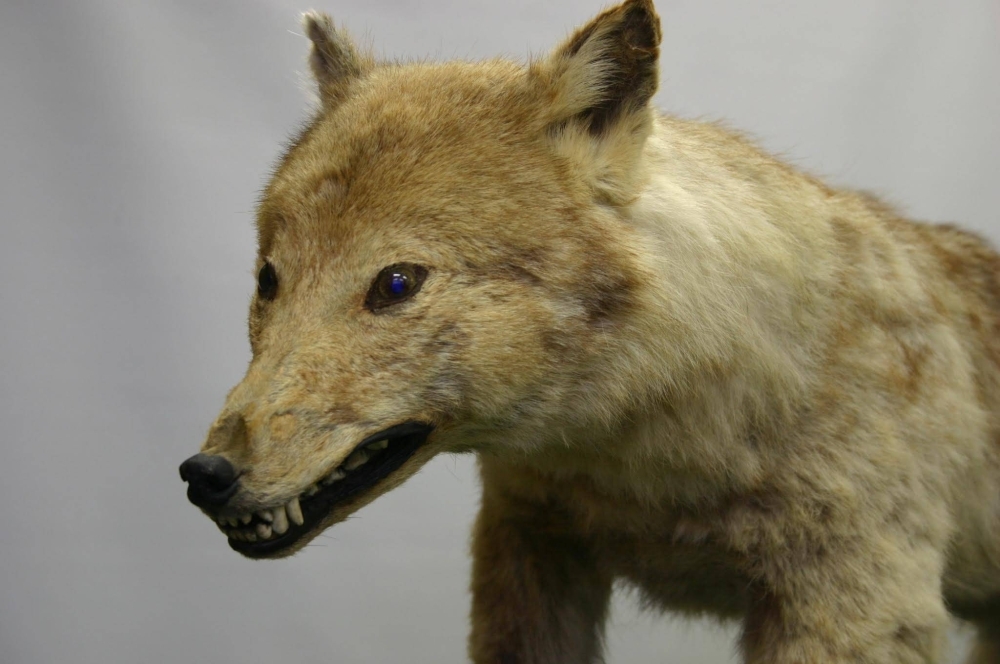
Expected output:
(211, 479)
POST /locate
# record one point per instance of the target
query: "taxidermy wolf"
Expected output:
(683, 365)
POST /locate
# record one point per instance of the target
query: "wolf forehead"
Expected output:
(419, 147)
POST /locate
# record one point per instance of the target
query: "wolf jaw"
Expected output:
(271, 531)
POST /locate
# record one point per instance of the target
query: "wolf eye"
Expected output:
(395, 284)
(267, 282)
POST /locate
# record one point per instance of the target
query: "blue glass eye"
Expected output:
(395, 284)
(398, 283)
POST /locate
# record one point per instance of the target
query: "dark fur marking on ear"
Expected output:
(580, 38)
(334, 59)
(333, 56)
(632, 50)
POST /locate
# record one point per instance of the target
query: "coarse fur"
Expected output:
(682, 363)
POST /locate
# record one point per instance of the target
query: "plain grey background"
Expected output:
(134, 138)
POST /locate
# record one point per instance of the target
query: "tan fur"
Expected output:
(683, 364)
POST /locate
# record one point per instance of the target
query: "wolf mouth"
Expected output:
(269, 531)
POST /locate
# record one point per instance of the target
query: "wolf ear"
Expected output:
(334, 59)
(608, 69)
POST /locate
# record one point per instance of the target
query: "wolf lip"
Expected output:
(403, 440)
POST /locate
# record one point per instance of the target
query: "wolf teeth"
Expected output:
(280, 524)
(275, 521)
(337, 474)
(295, 512)
(356, 460)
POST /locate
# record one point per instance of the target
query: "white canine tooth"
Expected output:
(266, 515)
(357, 458)
(263, 531)
(280, 524)
(379, 445)
(295, 512)
(245, 518)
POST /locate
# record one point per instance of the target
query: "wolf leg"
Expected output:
(871, 602)
(538, 596)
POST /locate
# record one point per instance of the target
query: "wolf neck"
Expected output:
(721, 348)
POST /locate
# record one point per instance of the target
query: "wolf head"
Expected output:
(441, 257)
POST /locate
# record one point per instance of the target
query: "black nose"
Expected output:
(211, 479)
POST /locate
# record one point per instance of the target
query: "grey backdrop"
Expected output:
(134, 138)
